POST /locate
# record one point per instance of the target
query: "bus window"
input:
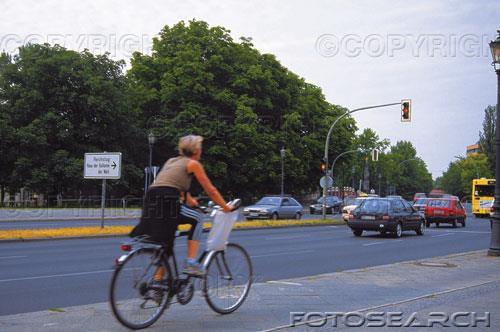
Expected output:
(488, 191)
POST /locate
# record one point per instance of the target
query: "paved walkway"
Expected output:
(467, 282)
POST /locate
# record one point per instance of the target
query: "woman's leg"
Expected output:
(195, 219)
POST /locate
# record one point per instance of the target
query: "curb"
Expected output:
(69, 218)
(124, 235)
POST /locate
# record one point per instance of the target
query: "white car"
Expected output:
(351, 205)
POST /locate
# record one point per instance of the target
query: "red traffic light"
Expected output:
(406, 110)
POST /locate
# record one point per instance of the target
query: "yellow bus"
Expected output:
(483, 194)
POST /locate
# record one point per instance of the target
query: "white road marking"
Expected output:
(472, 232)
(445, 234)
(283, 283)
(57, 275)
(283, 253)
(287, 237)
(372, 244)
(12, 257)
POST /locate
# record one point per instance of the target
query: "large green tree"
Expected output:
(457, 180)
(58, 104)
(246, 105)
(487, 136)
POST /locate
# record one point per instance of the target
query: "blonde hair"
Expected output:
(189, 144)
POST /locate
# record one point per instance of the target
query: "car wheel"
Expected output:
(357, 232)
(399, 230)
(298, 215)
(274, 216)
(437, 225)
(454, 223)
(421, 229)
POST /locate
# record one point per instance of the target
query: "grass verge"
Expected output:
(48, 233)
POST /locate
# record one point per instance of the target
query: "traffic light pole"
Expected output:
(327, 142)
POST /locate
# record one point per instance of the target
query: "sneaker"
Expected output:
(193, 270)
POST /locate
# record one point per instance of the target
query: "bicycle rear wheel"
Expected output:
(228, 279)
(137, 301)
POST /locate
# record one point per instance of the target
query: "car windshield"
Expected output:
(269, 201)
(421, 201)
(329, 200)
(443, 203)
(374, 206)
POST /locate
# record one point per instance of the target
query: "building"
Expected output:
(473, 149)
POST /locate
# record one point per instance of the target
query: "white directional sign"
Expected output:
(105, 165)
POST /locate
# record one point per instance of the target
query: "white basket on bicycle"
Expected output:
(221, 228)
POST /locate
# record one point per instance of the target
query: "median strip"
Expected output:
(94, 231)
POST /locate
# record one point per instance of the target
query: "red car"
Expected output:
(444, 210)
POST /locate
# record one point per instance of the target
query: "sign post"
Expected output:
(102, 165)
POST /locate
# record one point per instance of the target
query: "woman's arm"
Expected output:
(196, 168)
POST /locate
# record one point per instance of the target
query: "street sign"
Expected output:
(326, 181)
(103, 165)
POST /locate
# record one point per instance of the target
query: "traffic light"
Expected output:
(323, 165)
(406, 110)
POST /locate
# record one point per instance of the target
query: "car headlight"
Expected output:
(246, 210)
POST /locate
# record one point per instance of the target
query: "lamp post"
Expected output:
(149, 173)
(282, 153)
(379, 184)
(495, 219)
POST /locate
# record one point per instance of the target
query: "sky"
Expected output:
(360, 53)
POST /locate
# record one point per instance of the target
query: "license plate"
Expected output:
(438, 212)
(367, 218)
(253, 214)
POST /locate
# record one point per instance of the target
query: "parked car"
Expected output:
(350, 205)
(420, 205)
(274, 207)
(445, 210)
(419, 195)
(333, 205)
(384, 215)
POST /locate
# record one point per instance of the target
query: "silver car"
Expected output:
(274, 207)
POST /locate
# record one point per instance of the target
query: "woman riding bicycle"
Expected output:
(171, 189)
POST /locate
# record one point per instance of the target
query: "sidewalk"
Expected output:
(66, 214)
(450, 284)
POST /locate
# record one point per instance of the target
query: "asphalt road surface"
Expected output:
(50, 274)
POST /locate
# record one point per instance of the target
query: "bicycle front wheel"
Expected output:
(228, 279)
(136, 299)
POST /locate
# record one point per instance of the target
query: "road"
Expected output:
(51, 274)
(20, 224)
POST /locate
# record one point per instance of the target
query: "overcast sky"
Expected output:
(359, 52)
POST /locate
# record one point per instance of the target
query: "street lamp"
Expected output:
(282, 153)
(495, 219)
(152, 141)
(379, 184)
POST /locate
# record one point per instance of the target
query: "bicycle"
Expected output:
(137, 300)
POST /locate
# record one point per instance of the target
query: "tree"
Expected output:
(60, 104)
(457, 180)
(246, 105)
(487, 136)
